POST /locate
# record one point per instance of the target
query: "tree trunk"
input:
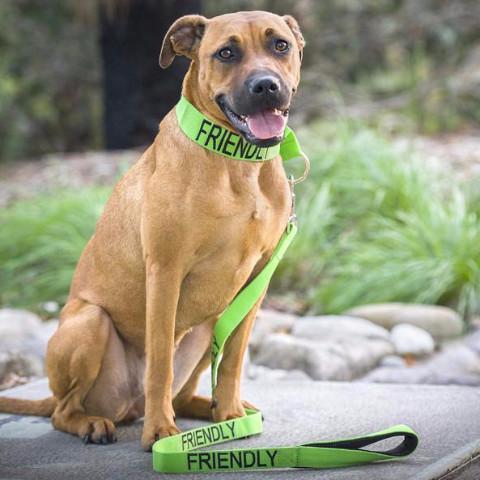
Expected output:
(136, 92)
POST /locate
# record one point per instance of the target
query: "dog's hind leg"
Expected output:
(186, 403)
(75, 355)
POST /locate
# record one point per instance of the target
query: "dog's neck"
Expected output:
(243, 176)
(207, 106)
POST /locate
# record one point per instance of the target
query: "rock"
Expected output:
(51, 307)
(337, 326)
(411, 340)
(12, 380)
(270, 321)
(458, 357)
(265, 374)
(473, 341)
(17, 323)
(391, 374)
(23, 340)
(456, 364)
(21, 364)
(47, 329)
(295, 376)
(421, 375)
(392, 361)
(333, 359)
(19, 331)
(441, 322)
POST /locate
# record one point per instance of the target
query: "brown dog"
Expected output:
(182, 233)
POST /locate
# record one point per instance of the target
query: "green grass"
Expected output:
(376, 225)
(430, 255)
(40, 242)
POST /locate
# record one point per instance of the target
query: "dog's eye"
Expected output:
(281, 46)
(225, 53)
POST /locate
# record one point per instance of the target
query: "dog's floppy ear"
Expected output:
(182, 38)
(293, 24)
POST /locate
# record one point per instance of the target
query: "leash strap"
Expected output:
(177, 454)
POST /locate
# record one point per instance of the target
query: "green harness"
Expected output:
(177, 454)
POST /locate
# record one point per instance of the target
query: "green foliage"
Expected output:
(405, 53)
(376, 226)
(49, 79)
(40, 243)
(430, 255)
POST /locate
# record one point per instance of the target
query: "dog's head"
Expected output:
(245, 68)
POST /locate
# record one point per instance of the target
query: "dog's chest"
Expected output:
(241, 232)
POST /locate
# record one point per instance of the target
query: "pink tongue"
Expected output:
(266, 124)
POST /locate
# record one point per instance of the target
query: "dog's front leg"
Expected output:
(163, 283)
(162, 289)
(226, 402)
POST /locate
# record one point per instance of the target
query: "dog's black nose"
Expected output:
(264, 85)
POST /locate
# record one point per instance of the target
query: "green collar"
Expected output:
(198, 128)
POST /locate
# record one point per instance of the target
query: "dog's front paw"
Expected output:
(227, 411)
(249, 405)
(154, 430)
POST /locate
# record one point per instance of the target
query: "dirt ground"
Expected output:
(23, 179)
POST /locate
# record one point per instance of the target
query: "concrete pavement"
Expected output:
(447, 420)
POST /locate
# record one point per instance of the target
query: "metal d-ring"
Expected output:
(306, 170)
(292, 219)
(292, 181)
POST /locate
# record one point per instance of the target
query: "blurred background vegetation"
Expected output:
(378, 221)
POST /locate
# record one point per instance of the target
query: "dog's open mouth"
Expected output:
(264, 128)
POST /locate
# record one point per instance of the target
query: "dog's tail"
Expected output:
(20, 406)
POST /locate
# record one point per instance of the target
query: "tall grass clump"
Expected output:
(377, 225)
(41, 240)
(430, 255)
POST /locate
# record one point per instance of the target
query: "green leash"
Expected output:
(177, 454)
